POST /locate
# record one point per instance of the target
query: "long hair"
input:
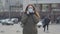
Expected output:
(36, 13)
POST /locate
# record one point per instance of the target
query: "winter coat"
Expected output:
(29, 22)
(46, 21)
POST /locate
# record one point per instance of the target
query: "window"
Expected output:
(16, 8)
(55, 7)
(45, 7)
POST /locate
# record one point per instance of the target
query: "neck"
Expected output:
(30, 14)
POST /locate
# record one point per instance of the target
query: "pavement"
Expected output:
(53, 29)
(17, 29)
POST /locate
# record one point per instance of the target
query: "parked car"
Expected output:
(9, 21)
(2, 21)
(6, 22)
(15, 20)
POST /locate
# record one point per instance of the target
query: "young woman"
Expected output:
(30, 19)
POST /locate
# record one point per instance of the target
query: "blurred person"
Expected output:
(29, 20)
(58, 20)
(45, 22)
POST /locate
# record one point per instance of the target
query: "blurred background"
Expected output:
(12, 10)
(15, 8)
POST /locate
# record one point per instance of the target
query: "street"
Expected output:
(17, 29)
(53, 29)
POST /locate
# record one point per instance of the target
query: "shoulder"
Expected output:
(36, 17)
(24, 16)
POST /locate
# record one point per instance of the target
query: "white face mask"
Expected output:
(31, 10)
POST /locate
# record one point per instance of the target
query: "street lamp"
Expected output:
(8, 1)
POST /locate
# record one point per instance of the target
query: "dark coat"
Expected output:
(29, 22)
(46, 21)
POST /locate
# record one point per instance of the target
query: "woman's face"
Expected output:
(30, 9)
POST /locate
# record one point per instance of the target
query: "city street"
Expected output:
(17, 29)
(14, 11)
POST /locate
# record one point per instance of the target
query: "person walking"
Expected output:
(30, 19)
(45, 22)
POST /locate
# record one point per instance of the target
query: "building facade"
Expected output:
(10, 8)
(46, 8)
(13, 8)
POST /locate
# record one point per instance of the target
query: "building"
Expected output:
(13, 8)
(45, 7)
(10, 8)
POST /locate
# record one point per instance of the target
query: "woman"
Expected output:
(29, 20)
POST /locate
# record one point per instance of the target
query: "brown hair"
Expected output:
(36, 13)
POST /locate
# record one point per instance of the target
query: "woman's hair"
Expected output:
(36, 13)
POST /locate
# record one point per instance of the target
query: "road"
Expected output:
(17, 29)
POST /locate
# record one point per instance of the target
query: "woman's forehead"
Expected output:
(30, 6)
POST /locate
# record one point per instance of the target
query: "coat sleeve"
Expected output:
(24, 18)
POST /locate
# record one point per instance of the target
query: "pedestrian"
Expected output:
(45, 22)
(58, 20)
(30, 19)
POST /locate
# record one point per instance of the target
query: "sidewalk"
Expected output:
(53, 29)
(17, 29)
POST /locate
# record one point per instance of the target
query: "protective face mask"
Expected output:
(31, 10)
